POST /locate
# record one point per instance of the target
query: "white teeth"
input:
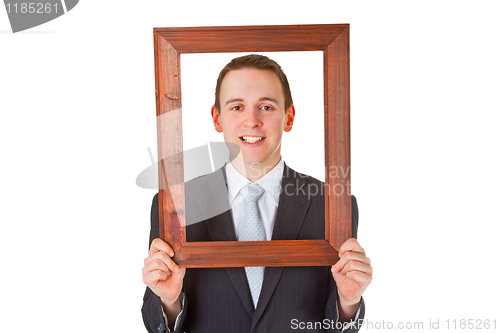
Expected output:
(252, 139)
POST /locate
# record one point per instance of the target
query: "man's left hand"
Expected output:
(353, 274)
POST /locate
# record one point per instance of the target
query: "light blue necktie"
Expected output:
(251, 229)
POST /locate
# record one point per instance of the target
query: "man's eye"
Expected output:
(267, 107)
(236, 108)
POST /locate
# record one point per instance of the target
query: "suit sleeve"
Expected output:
(152, 313)
(331, 311)
(354, 216)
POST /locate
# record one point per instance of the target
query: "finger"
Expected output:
(352, 266)
(360, 277)
(358, 256)
(351, 256)
(160, 245)
(351, 245)
(160, 260)
(155, 265)
(152, 278)
(157, 255)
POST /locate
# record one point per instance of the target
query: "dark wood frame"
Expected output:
(333, 40)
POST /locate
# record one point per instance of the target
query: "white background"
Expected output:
(303, 147)
(77, 115)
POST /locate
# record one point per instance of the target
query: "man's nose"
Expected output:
(252, 118)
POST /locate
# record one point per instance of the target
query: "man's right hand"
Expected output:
(162, 275)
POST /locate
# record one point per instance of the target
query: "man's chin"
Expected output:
(250, 160)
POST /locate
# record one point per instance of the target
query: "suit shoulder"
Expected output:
(199, 187)
(307, 178)
(195, 182)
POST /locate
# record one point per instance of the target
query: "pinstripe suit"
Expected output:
(219, 299)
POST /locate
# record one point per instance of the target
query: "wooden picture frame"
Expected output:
(333, 41)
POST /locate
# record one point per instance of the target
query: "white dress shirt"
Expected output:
(267, 203)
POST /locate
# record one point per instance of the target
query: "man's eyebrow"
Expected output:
(268, 99)
(232, 100)
(262, 99)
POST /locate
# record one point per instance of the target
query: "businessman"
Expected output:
(253, 107)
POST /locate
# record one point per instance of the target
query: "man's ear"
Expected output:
(290, 115)
(216, 119)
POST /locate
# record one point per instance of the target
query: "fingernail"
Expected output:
(171, 253)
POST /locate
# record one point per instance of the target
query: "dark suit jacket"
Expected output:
(219, 299)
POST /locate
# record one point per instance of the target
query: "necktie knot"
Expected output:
(254, 192)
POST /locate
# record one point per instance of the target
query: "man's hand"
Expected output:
(353, 274)
(162, 275)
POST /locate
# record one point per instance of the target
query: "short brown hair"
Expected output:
(256, 61)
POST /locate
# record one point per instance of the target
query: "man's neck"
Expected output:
(254, 171)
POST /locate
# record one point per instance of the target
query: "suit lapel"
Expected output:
(214, 207)
(292, 209)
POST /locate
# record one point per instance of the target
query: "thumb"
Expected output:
(337, 274)
(179, 276)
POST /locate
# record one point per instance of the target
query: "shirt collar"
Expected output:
(271, 182)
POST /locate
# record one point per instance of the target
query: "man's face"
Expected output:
(253, 114)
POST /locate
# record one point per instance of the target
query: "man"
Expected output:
(253, 107)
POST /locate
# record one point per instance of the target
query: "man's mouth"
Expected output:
(251, 139)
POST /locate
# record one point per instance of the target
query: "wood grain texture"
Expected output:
(169, 127)
(337, 140)
(333, 40)
(251, 38)
(245, 254)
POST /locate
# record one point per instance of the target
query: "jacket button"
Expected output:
(160, 328)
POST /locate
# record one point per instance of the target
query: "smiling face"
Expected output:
(253, 116)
